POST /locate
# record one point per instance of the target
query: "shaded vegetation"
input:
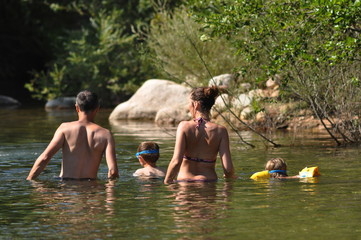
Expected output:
(85, 44)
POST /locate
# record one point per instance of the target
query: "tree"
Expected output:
(100, 53)
(314, 45)
(176, 40)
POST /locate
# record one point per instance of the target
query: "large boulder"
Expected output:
(155, 96)
(61, 103)
(171, 115)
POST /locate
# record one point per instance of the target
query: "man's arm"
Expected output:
(43, 160)
(110, 157)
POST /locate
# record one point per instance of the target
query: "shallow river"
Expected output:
(328, 207)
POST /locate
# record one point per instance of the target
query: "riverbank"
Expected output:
(273, 116)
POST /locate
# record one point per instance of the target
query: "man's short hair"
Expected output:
(87, 101)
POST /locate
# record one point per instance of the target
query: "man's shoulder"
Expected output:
(67, 125)
(76, 124)
(101, 129)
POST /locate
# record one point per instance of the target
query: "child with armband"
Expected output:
(148, 154)
(277, 168)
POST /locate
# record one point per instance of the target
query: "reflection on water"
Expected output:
(130, 208)
(72, 208)
(198, 206)
(139, 129)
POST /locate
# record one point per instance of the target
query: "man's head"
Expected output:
(87, 101)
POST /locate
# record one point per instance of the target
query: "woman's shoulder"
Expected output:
(219, 127)
(186, 124)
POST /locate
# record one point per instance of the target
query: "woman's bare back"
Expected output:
(201, 150)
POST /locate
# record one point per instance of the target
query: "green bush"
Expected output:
(180, 47)
(99, 52)
(314, 45)
(95, 58)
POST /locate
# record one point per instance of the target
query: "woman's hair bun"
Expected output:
(211, 92)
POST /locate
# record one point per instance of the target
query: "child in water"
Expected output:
(275, 168)
(148, 154)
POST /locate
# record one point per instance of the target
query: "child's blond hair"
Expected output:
(276, 164)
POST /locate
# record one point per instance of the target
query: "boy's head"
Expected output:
(277, 164)
(149, 151)
(87, 101)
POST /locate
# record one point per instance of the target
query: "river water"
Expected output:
(328, 207)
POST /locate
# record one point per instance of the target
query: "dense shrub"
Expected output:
(182, 50)
(99, 53)
(314, 45)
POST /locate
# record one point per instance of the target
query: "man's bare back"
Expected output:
(83, 148)
(83, 144)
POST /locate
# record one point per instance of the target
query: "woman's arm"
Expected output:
(225, 155)
(177, 159)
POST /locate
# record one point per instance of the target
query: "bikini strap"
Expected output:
(199, 121)
(199, 159)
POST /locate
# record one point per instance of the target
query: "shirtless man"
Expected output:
(83, 144)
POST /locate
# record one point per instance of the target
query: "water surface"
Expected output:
(328, 207)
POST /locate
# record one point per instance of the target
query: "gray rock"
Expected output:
(245, 86)
(243, 100)
(61, 103)
(224, 80)
(221, 101)
(8, 102)
(150, 98)
(172, 115)
(246, 113)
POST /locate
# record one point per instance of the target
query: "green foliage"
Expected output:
(285, 31)
(179, 47)
(52, 83)
(93, 60)
(99, 52)
(256, 105)
(314, 45)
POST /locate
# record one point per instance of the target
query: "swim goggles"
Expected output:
(147, 151)
(278, 171)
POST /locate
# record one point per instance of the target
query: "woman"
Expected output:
(199, 141)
